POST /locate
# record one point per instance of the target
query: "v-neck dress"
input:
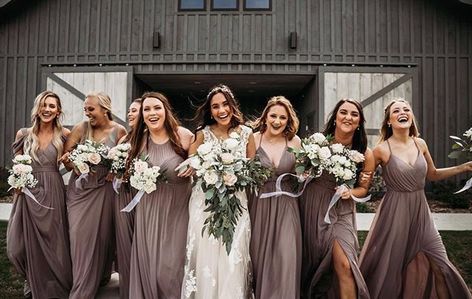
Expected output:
(403, 240)
(276, 240)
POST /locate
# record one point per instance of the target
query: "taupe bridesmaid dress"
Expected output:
(160, 231)
(403, 241)
(37, 237)
(319, 279)
(92, 240)
(276, 240)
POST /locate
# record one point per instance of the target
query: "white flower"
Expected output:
(140, 166)
(210, 177)
(204, 149)
(195, 162)
(337, 148)
(348, 174)
(324, 153)
(227, 158)
(229, 179)
(83, 168)
(94, 158)
(318, 138)
(468, 133)
(230, 143)
(356, 156)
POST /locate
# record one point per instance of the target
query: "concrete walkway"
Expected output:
(443, 221)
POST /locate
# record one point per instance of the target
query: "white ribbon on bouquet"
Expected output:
(278, 187)
(134, 202)
(337, 196)
(117, 184)
(467, 186)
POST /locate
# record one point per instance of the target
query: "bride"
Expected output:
(209, 271)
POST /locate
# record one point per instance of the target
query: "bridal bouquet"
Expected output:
(118, 155)
(343, 164)
(462, 148)
(143, 178)
(312, 156)
(221, 173)
(21, 175)
(86, 156)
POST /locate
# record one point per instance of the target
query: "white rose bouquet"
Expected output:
(117, 156)
(462, 148)
(144, 178)
(312, 156)
(86, 156)
(221, 172)
(21, 174)
(343, 164)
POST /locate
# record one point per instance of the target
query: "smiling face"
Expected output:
(154, 113)
(221, 110)
(49, 110)
(401, 116)
(276, 120)
(95, 113)
(347, 118)
(133, 113)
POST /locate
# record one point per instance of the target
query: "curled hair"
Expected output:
(140, 133)
(292, 122)
(386, 131)
(359, 140)
(203, 113)
(31, 144)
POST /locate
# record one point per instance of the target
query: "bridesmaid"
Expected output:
(124, 222)
(90, 209)
(403, 256)
(37, 238)
(328, 247)
(160, 231)
(276, 239)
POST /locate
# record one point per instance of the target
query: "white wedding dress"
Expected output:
(209, 271)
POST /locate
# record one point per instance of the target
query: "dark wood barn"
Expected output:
(312, 51)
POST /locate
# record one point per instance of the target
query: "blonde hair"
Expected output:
(386, 130)
(31, 145)
(105, 102)
(292, 122)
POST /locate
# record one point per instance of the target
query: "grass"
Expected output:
(457, 243)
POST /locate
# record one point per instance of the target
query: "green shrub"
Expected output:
(4, 182)
(443, 191)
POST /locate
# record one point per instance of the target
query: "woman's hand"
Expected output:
(110, 176)
(346, 194)
(366, 177)
(188, 172)
(467, 166)
(65, 158)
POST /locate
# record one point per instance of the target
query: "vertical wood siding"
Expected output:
(433, 35)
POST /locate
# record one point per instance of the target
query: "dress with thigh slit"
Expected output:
(319, 279)
(403, 242)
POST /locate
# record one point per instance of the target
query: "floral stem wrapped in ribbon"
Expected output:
(86, 157)
(118, 155)
(221, 174)
(21, 177)
(144, 178)
(462, 148)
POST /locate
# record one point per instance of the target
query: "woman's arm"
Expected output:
(186, 137)
(436, 174)
(251, 147)
(369, 167)
(191, 151)
(72, 140)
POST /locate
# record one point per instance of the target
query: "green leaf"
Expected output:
(209, 193)
(455, 155)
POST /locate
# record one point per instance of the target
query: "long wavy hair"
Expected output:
(31, 145)
(139, 135)
(203, 114)
(105, 102)
(386, 130)
(292, 122)
(359, 140)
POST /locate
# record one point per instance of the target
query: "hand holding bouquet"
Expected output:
(86, 156)
(21, 174)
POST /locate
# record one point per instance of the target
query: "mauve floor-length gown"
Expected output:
(319, 279)
(37, 237)
(92, 242)
(276, 239)
(403, 240)
(160, 231)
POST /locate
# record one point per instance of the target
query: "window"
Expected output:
(257, 4)
(192, 5)
(224, 4)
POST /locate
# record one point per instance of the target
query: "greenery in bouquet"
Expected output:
(462, 147)
(87, 156)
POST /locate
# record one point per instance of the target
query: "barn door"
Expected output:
(374, 87)
(73, 84)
